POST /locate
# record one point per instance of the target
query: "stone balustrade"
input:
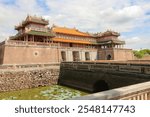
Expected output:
(45, 44)
(30, 43)
(139, 91)
(142, 67)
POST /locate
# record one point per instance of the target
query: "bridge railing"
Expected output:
(139, 91)
(132, 67)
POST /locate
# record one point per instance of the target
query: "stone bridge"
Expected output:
(103, 75)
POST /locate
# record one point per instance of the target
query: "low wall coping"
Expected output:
(115, 93)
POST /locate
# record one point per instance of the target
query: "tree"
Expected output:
(141, 53)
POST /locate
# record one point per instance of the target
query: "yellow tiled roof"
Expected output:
(71, 31)
(71, 41)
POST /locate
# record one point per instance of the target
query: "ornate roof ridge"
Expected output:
(34, 19)
(107, 33)
(111, 32)
(71, 29)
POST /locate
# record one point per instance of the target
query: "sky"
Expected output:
(129, 17)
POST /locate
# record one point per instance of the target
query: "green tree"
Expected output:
(141, 53)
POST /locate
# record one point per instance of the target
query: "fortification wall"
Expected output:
(40, 54)
(2, 47)
(103, 53)
(21, 79)
(30, 54)
(116, 54)
(123, 54)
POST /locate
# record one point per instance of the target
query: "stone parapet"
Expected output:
(42, 44)
(24, 66)
(142, 67)
(139, 91)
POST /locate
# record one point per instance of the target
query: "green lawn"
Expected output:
(54, 92)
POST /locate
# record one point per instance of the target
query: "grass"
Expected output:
(54, 92)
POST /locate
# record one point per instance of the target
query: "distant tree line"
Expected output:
(141, 53)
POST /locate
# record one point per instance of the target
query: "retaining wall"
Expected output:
(27, 78)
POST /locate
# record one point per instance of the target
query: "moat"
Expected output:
(54, 92)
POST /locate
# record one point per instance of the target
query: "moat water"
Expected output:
(54, 92)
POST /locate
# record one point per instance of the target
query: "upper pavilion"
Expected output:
(35, 29)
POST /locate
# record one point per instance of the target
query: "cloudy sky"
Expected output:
(129, 17)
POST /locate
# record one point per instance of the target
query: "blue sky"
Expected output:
(129, 17)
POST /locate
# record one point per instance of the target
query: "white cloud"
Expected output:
(133, 40)
(11, 15)
(97, 14)
(137, 42)
(87, 15)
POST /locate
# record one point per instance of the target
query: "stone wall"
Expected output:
(14, 54)
(123, 54)
(21, 79)
(69, 53)
(103, 53)
(116, 54)
(40, 54)
(1, 52)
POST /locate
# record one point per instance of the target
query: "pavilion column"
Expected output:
(27, 38)
(33, 38)
(46, 39)
(24, 38)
